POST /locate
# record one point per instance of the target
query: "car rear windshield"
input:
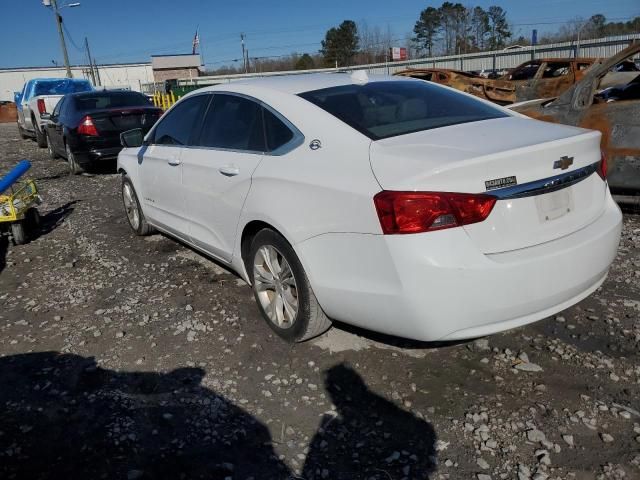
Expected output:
(391, 108)
(100, 100)
(61, 87)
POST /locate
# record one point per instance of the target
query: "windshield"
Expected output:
(61, 87)
(387, 109)
(101, 100)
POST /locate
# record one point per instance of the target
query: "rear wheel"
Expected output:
(282, 290)
(74, 167)
(41, 140)
(18, 233)
(52, 153)
(132, 208)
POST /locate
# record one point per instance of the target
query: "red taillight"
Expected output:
(87, 127)
(42, 108)
(415, 212)
(602, 166)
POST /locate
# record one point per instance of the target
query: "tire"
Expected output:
(74, 167)
(52, 153)
(18, 233)
(41, 139)
(133, 210)
(290, 292)
(22, 133)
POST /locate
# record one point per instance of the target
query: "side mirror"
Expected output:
(132, 138)
(45, 116)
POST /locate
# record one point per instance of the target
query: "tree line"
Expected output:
(449, 29)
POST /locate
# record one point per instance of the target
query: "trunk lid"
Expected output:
(478, 157)
(113, 121)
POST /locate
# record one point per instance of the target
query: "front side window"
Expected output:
(387, 109)
(556, 69)
(525, 72)
(177, 127)
(233, 123)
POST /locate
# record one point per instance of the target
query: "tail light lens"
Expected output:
(602, 166)
(42, 108)
(87, 127)
(415, 212)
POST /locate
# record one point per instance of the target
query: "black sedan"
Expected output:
(85, 127)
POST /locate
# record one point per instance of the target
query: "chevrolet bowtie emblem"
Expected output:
(564, 163)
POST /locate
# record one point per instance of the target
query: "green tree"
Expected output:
(305, 62)
(427, 29)
(479, 27)
(499, 28)
(340, 45)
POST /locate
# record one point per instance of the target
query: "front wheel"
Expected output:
(132, 208)
(41, 139)
(282, 290)
(52, 153)
(21, 132)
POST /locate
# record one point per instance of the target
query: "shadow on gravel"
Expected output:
(54, 218)
(369, 438)
(399, 342)
(62, 416)
(4, 245)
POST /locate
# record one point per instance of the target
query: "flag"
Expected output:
(196, 42)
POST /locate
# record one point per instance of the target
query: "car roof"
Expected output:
(295, 84)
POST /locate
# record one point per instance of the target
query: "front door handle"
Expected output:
(229, 170)
(174, 161)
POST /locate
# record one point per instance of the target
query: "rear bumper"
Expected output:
(98, 154)
(438, 286)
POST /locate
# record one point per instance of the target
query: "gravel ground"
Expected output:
(137, 358)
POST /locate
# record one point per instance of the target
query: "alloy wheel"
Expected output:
(275, 286)
(131, 206)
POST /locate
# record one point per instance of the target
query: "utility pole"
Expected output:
(244, 58)
(93, 75)
(54, 3)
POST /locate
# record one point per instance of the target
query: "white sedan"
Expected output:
(396, 205)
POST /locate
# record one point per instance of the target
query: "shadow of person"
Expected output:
(63, 417)
(369, 438)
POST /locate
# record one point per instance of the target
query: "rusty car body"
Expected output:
(606, 100)
(539, 78)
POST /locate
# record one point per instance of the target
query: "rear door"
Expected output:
(160, 163)
(55, 127)
(217, 173)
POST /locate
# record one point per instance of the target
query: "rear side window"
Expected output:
(387, 109)
(178, 125)
(276, 132)
(102, 100)
(233, 123)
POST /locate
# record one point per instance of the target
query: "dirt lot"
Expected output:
(131, 358)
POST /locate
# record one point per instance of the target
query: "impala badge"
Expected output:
(564, 163)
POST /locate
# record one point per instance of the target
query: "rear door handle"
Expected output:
(229, 170)
(174, 161)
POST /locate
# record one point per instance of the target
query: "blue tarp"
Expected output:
(51, 86)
